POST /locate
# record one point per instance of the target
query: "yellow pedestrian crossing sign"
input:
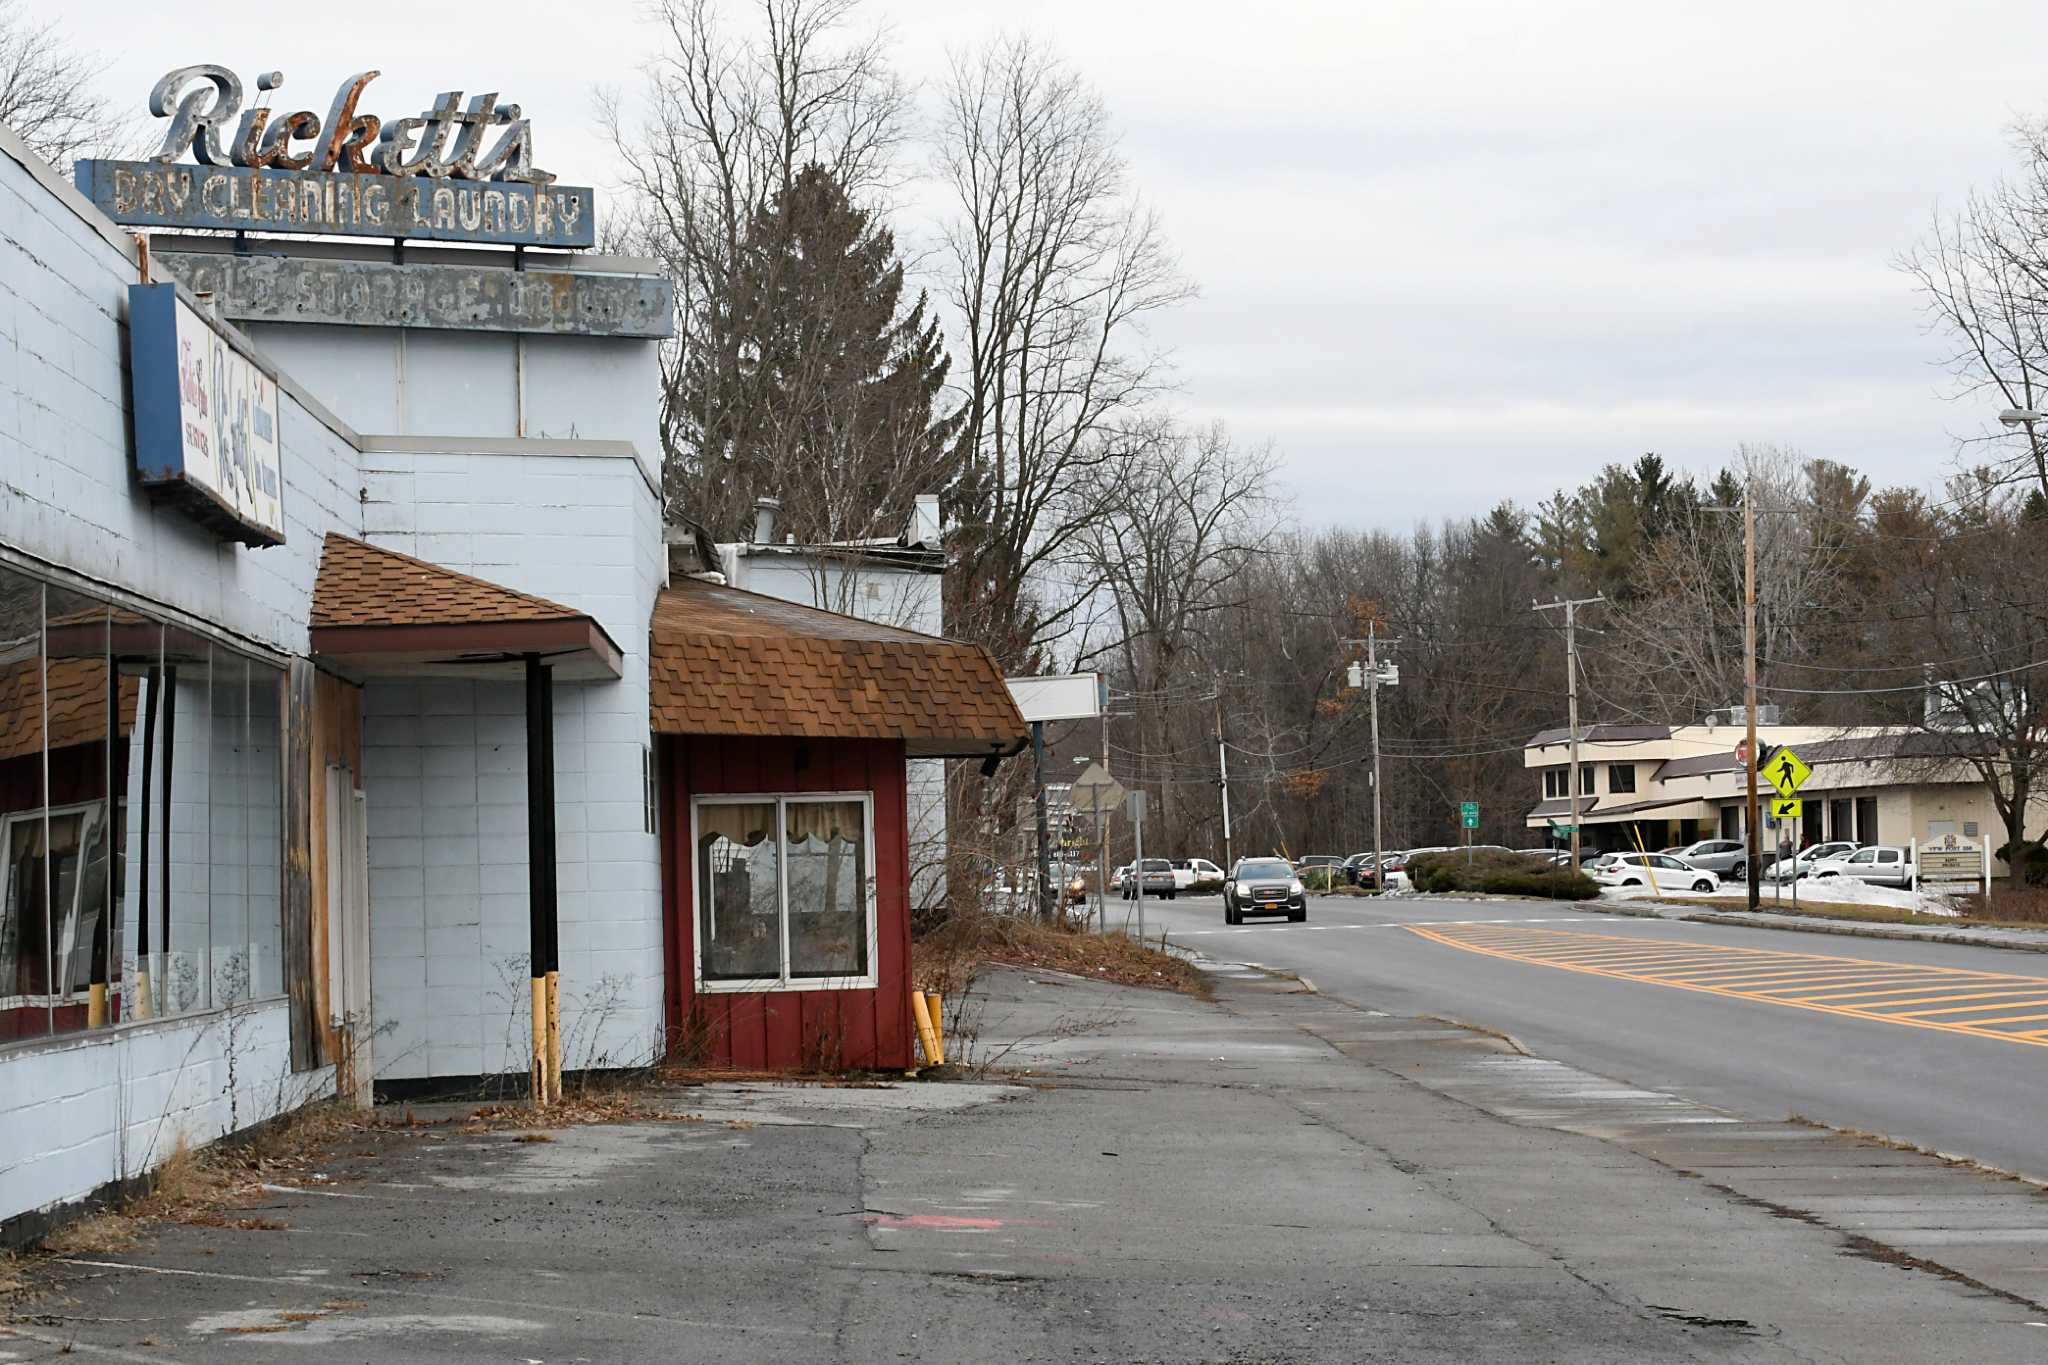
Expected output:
(1787, 808)
(1787, 772)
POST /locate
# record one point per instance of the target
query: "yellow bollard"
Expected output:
(540, 1042)
(926, 1033)
(555, 1036)
(937, 1010)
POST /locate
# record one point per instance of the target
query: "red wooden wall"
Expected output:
(789, 1030)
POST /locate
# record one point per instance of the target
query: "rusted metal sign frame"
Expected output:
(253, 199)
(437, 295)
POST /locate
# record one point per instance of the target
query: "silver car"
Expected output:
(1263, 886)
(1728, 858)
(1802, 863)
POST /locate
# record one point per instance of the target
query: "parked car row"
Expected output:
(1878, 864)
(1166, 878)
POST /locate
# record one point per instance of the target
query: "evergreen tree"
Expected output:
(812, 384)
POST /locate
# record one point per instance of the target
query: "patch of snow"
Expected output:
(1813, 891)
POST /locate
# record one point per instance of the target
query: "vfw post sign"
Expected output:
(206, 418)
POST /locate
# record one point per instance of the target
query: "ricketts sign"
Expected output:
(458, 171)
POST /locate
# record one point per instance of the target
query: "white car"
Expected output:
(1188, 871)
(1879, 864)
(1802, 863)
(1659, 871)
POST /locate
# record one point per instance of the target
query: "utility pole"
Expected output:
(1371, 682)
(1749, 684)
(1571, 693)
(1048, 900)
(1372, 673)
(1223, 776)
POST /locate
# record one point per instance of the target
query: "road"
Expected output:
(1927, 1043)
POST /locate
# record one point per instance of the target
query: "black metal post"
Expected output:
(142, 872)
(543, 941)
(164, 862)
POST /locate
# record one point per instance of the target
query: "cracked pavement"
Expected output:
(1275, 1177)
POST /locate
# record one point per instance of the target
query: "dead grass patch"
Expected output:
(947, 959)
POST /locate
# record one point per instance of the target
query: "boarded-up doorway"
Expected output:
(348, 936)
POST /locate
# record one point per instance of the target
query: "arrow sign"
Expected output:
(1787, 772)
(1787, 808)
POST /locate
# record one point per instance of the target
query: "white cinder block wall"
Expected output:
(77, 1113)
(445, 769)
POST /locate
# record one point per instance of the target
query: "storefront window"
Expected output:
(738, 888)
(25, 966)
(141, 826)
(826, 853)
(783, 890)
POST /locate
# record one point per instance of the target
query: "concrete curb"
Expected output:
(1851, 930)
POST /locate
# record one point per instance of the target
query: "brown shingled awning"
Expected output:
(378, 612)
(727, 662)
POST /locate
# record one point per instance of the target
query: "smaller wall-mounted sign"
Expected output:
(206, 418)
(455, 173)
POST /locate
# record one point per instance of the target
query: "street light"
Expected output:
(2019, 417)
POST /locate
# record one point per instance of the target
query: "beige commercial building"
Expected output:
(1662, 785)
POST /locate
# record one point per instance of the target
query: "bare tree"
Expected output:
(1052, 266)
(1679, 640)
(46, 91)
(1965, 624)
(724, 126)
(1180, 523)
(1983, 274)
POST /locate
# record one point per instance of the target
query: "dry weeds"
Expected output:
(948, 959)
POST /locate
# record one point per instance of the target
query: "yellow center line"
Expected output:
(1783, 976)
(1627, 959)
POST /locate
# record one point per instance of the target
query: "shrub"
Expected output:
(2031, 867)
(1317, 879)
(1206, 887)
(1501, 874)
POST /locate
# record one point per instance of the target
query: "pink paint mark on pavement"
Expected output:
(946, 1222)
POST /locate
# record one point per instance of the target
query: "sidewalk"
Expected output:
(1272, 1178)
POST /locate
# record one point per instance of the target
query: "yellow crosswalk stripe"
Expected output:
(1854, 988)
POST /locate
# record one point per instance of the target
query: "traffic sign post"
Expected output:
(1136, 802)
(1787, 772)
(1097, 793)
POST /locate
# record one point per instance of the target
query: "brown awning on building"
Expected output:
(727, 662)
(377, 612)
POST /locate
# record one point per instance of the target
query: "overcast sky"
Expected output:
(1448, 252)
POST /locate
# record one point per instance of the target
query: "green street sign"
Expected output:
(1469, 811)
